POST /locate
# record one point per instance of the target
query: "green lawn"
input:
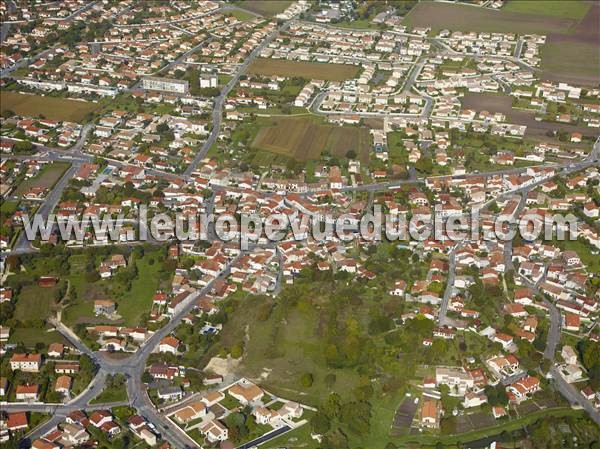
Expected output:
(114, 394)
(34, 303)
(572, 9)
(30, 336)
(591, 261)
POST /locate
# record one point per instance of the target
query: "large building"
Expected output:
(165, 84)
(208, 80)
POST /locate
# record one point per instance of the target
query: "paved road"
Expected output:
(443, 315)
(573, 395)
(263, 439)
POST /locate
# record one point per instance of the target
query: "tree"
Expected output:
(23, 147)
(424, 165)
(237, 350)
(306, 380)
(320, 423)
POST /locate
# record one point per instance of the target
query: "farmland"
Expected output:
(309, 70)
(575, 9)
(574, 57)
(304, 139)
(468, 18)
(46, 178)
(265, 7)
(50, 107)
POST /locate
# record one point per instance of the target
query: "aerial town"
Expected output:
(478, 117)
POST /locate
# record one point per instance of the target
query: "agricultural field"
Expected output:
(304, 139)
(265, 7)
(574, 57)
(440, 16)
(574, 9)
(46, 178)
(53, 108)
(309, 70)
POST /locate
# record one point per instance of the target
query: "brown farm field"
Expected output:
(265, 7)
(304, 69)
(52, 108)
(440, 16)
(574, 57)
(304, 139)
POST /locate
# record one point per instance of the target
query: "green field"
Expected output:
(46, 178)
(30, 336)
(440, 16)
(575, 62)
(304, 69)
(137, 301)
(573, 9)
(305, 138)
(35, 303)
(241, 15)
(265, 7)
(49, 107)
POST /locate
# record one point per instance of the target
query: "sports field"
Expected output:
(52, 108)
(304, 139)
(304, 69)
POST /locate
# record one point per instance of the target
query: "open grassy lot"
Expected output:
(138, 300)
(240, 14)
(574, 57)
(309, 70)
(30, 336)
(468, 18)
(305, 138)
(265, 7)
(50, 107)
(46, 178)
(35, 303)
(572, 9)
